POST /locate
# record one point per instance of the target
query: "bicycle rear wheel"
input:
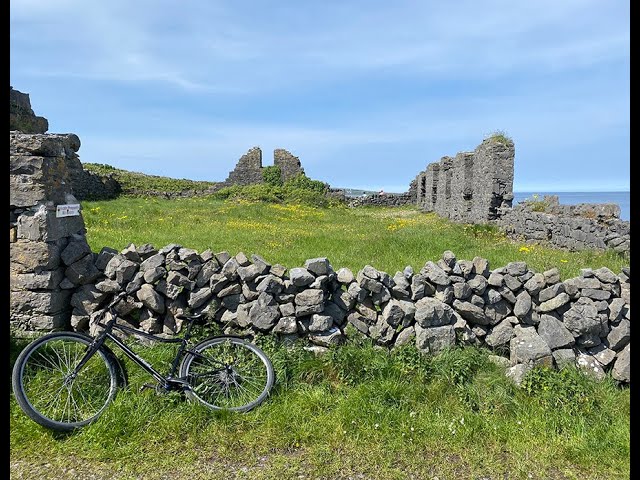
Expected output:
(228, 373)
(48, 392)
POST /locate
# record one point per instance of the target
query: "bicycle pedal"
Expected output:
(149, 386)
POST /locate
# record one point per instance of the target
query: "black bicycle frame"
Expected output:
(108, 327)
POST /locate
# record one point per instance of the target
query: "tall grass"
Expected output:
(386, 238)
(358, 410)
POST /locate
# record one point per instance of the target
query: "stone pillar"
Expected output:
(289, 164)
(493, 179)
(49, 255)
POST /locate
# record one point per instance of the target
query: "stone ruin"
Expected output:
(470, 187)
(477, 187)
(22, 117)
(85, 185)
(49, 255)
(248, 170)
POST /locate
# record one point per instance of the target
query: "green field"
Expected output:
(389, 239)
(358, 412)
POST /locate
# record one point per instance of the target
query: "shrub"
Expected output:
(272, 175)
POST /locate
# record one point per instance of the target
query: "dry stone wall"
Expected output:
(382, 200)
(527, 318)
(574, 227)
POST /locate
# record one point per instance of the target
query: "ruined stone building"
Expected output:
(470, 187)
(249, 168)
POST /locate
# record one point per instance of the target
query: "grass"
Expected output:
(136, 183)
(386, 238)
(357, 412)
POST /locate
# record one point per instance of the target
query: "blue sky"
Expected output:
(366, 93)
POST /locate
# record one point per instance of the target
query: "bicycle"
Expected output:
(65, 380)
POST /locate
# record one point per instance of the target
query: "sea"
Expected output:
(623, 199)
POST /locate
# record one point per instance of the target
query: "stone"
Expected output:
(270, 284)
(87, 299)
(431, 312)
(480, 266)
(264, 312)
(507, 294)
(230, 269)
(477, 283)
(605, 275)
(120, 269)
(554, 303)
(518, 372)
(495, 280)
(301, 277)
(33, 257)
(435, 274)
(523, 304)
(552, 276)
(461, 290)
(106, 254)
(596, 294)
(345, 276)
(405, 337)
(602, 354)
(231, 289)
(199, 296)
(516, 268)
(242, 259)
(153, 275)
(434, 340)
(75, 250)
(499, 360)
(278, 270)
(150, 298)
(393, 313)
(620, 335)
(84, 271)
(555, 333)
(471, 312)
(491, 296)
(581, 319)
(535, 284)
(286, 326)
(359, 322)
(249, 272)
(617, 308)
(318, 266)
(449, 258)
(564, 357)
(327, 338)
(498, 311)
(590, 366)
(317, 323)
(530, 348)
(420, 287)
(621, 370)
(501, 334)
(511, 282)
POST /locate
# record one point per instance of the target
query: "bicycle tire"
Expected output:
(47, 395)
(227, 373)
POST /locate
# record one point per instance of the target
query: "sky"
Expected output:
(365, 93)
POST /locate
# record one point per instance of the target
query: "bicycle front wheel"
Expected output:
(51, 394)
(227, 373)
